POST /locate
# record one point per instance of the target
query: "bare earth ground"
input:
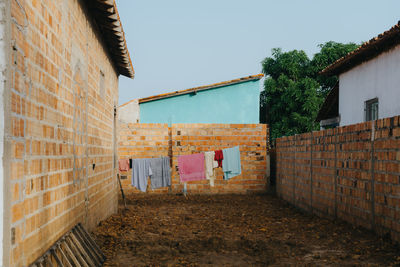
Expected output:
(233, 230)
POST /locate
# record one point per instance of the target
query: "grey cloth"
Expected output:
(161, 176)
(141, 170)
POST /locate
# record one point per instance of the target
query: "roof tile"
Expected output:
(106, 15)
(374, 47)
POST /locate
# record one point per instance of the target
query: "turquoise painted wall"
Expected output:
(237, 103)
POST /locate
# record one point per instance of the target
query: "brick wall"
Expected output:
(156, 140)
(351, 173)
(60, 127)
(139, 140)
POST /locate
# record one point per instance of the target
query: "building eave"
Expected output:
(367, 51)
(105, 14)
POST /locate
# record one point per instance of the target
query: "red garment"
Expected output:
(219, 156)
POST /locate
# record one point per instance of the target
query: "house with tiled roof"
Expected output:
(234, 101)
(369, 82)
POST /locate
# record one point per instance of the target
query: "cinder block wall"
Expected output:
(142, 140)
(351, 173)
(60, 127)
(155, 140)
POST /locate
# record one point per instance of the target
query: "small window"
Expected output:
(371, 109)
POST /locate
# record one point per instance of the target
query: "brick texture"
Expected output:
(155, 140)
(142, 140)
(62, 163)
(351, 173)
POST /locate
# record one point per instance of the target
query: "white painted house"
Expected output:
(369, 82)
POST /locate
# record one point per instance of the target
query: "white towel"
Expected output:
(210, 165)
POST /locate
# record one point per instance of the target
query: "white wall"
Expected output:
(129, 112)
(379, 77)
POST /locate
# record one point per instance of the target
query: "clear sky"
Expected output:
(179, 44)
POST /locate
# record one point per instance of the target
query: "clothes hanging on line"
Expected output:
(219, 156)
(231, 165)
(161, 172)
(141, 170)
(123, 165)
(191, 167)
(210, 165)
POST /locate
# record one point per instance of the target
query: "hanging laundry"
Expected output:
(219, 156)
(210, 165)
(123, 165)
(231, 163)
(191, 167)
(140, 172)
(161, 172)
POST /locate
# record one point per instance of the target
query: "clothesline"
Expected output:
(200, 166)
(194, 167)
(157, 169)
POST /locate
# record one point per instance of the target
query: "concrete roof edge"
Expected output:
(201, 88)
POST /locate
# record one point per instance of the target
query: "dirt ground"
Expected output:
(233, 230)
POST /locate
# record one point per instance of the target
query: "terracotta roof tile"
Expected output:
(374, 47)
(106, 16)
(201, 88)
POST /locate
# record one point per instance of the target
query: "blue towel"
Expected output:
(231, 162)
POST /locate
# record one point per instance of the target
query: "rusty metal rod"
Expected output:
(92, 240)
(96, 258)
(47, 260)
(76, 252)
(86, 247)
(70, 254)
(55, 256)
(93, 249)
(97, 249)
(81, 249)
(67, 261)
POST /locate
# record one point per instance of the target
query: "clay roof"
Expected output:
(374, 47)
(106, 17)
(201, 88)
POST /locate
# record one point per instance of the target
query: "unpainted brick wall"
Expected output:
(61, 126)
(156, 140)
(351, 173)
(142, 140)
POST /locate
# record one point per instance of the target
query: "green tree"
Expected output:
(293, 90)
(329, 53)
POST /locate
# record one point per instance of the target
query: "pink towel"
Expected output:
(191, 167)
(123, 165)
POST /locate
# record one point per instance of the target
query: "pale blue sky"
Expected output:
(179, 44)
